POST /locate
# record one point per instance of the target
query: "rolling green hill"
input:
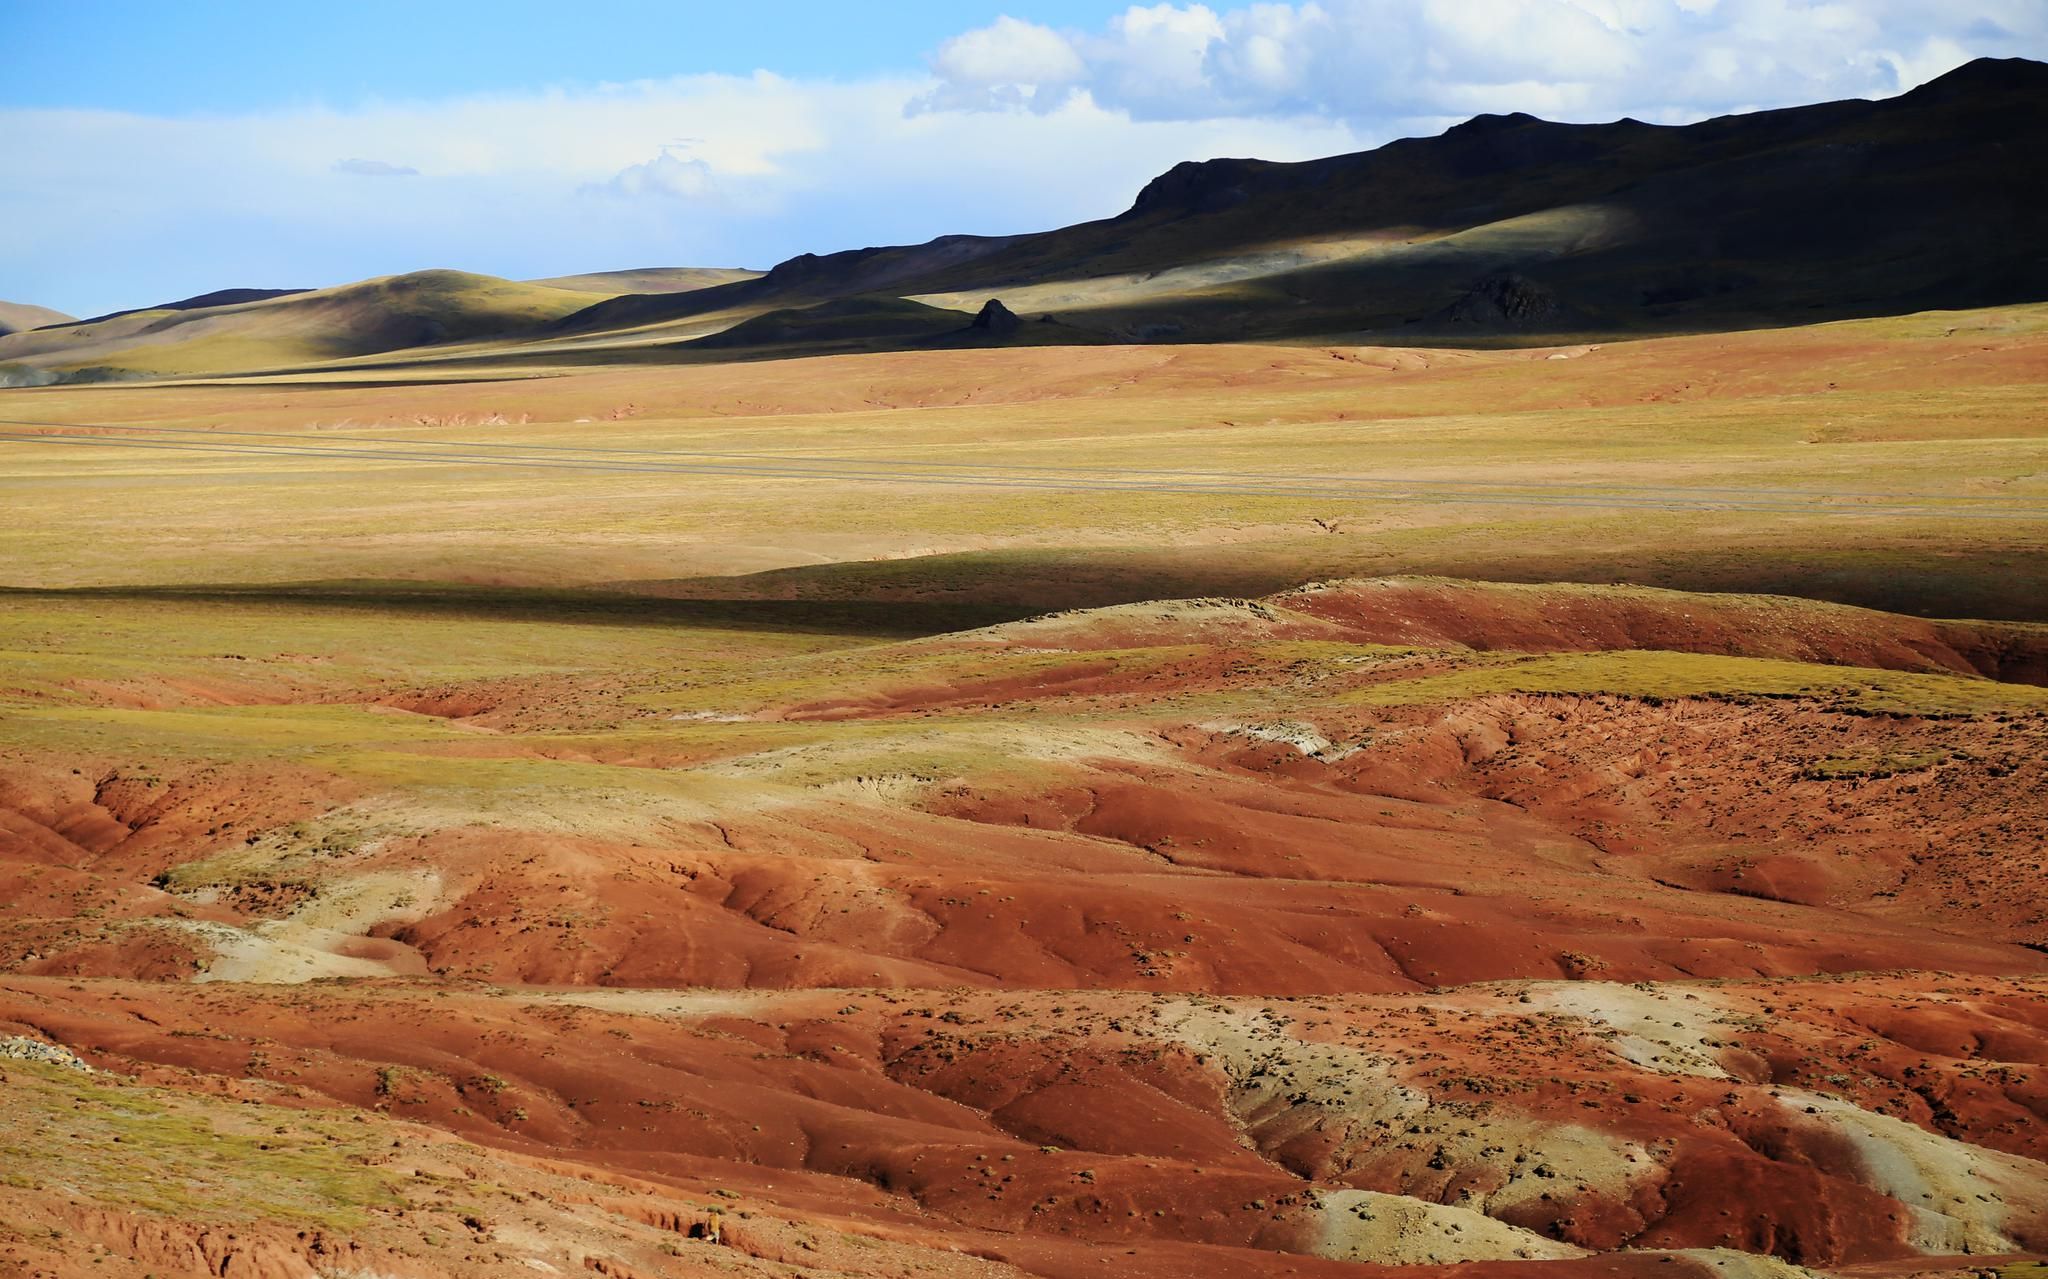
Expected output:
(660, 279)
(387, 314)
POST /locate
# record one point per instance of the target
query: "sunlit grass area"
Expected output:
(1941, 409)
(112, 1143)
(1650, 674)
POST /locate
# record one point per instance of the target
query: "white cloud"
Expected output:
(1385, 63)
(1500, 41)
(1007, 63)
(667, 174)
(1153, 57)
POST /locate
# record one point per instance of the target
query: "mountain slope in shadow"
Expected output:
(1928, 200)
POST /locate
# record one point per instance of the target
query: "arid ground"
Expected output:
(1570, 811)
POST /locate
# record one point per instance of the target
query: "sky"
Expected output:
(151, 151)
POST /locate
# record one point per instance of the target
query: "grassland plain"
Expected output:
(1934, 405)
(466, 839)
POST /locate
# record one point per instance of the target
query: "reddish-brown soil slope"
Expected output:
(1165, 945)
(1440, 613)
(1824, 1121)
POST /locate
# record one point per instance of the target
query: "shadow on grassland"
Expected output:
(879, 619)
(935, 594)
(1922, 581)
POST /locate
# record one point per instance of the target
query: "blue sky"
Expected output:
(235, 55)
(152, 151)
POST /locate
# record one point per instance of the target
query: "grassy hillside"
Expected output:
(660, 279)
(391, 313)
(199, 302)
(16, 316)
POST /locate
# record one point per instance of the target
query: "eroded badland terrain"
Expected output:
(1564, 806)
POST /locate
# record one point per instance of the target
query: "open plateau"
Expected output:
(1473, 710)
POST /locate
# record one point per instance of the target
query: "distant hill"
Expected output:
(17, 316)
(877, 322)
(845, 324)
(392, 313)
(806, 277)
(204, 301)
(1932, 199)
(659, 279)
(1503, 229)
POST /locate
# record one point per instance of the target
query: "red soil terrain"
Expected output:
(1824, 1121)
(1481, 615)
(1254, 975)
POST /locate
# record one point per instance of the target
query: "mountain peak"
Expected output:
(1493, 123)
(1197, 186)
(1985, 77)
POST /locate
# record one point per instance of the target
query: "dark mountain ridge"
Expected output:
(1932, 199)
(1502, 229)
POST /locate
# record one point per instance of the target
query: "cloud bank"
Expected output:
(1011, 127)
(1383, 62)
